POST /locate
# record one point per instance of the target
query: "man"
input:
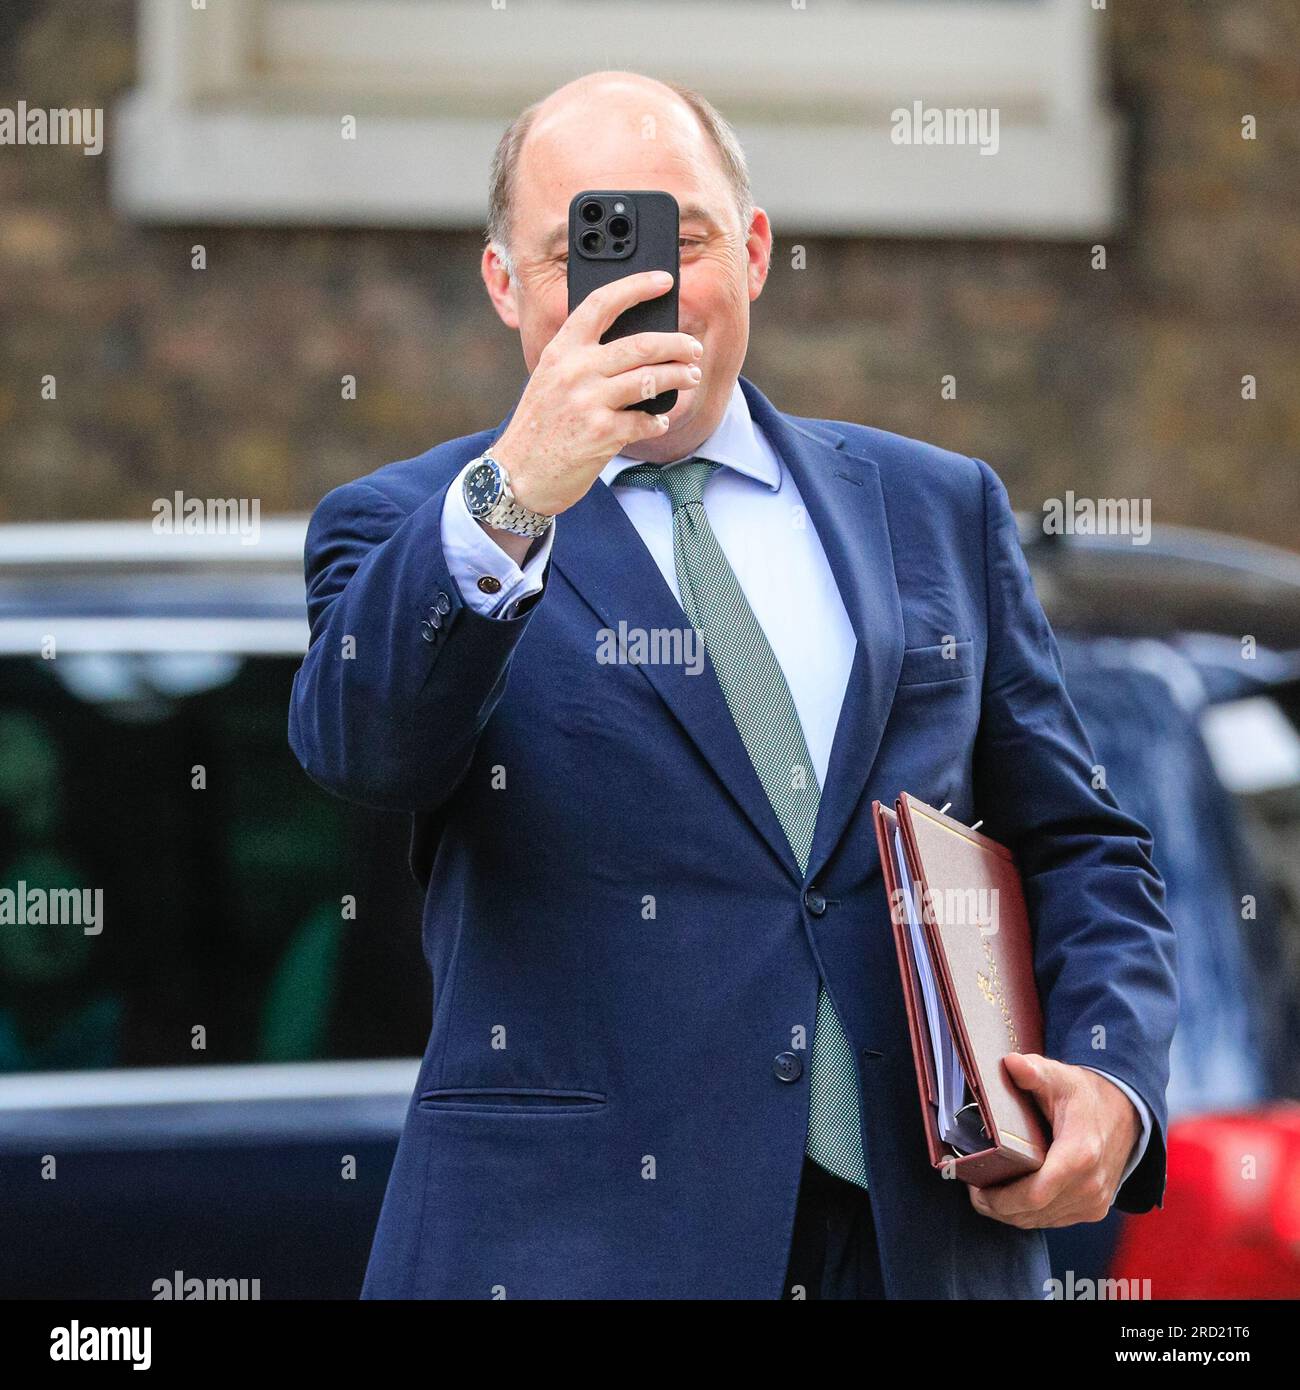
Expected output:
(669, 1056)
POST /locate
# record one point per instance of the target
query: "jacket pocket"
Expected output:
(947, 661)
(508, 1100)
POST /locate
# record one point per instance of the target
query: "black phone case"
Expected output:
(655, 248)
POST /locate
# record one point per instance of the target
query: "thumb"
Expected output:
(1029, 1071)
(1047, 1080)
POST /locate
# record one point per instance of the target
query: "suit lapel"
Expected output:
(599, 552)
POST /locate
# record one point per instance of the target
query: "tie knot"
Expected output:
(683, 482)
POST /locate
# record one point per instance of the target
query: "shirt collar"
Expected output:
(737, 443)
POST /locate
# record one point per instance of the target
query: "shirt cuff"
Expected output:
(1144, 1114)
(474, 558)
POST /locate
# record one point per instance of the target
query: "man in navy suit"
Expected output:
(638, 678)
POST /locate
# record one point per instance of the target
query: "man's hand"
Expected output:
(570, 420)
(1094, 1127)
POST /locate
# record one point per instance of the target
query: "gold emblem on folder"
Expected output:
(991, 988)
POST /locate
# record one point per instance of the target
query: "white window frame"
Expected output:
(238, 114)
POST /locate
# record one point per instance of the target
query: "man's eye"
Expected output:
(682, 241)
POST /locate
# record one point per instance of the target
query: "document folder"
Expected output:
(967, 965)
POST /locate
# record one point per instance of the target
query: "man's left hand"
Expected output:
(1094, 1127)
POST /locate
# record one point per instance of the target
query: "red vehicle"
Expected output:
(1230, 1226)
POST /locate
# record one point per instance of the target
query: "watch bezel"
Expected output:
(485, 465)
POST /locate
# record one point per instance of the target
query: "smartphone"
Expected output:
(623, 232)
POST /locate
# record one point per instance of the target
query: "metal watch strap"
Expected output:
(511, 515)
(519, 520)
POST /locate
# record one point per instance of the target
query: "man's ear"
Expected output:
(500, 287)
(758, 249)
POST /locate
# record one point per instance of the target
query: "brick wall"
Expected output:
(1124, 382)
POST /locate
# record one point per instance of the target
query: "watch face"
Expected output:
(482, 488)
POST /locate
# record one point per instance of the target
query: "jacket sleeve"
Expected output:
(1104, 951)
(401, 675)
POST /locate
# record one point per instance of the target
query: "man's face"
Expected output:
(602, 140)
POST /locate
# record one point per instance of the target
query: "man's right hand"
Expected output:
(570, 420)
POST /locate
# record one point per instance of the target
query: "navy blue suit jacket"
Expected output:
(619, 936)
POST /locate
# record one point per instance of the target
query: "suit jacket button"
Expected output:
(787, 1066)
(443, 604)
(435, 619)
(814, 902)
(428, 631)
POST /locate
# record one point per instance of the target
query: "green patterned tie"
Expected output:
(761, 704)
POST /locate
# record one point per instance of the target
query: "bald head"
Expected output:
(615, 102)
(597, 119)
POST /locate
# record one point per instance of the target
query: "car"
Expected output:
(1181, 658)
(216, 1079)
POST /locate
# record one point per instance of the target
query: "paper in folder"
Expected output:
(967, 965)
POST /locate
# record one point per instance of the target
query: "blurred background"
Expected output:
(289, 199)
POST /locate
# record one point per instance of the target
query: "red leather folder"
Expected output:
(969, 906)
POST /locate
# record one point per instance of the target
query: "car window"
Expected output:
(244, 914)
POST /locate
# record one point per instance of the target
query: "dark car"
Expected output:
(205, 1093)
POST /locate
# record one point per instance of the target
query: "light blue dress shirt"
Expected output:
(769, 540)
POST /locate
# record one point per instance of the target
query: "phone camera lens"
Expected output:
(591, 242)
(619, 226)
(591, 212)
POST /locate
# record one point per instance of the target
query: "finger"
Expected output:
(645, 383)
(605, 303)
(1052, 1084)
(1074, 1207)
(1012, 1208)
(640, 424)
(1040, 1076)
(979, 1199)
(1038, 1190)
(641, 349)
(1063, 1213)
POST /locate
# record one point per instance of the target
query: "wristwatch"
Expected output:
(490, 500)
